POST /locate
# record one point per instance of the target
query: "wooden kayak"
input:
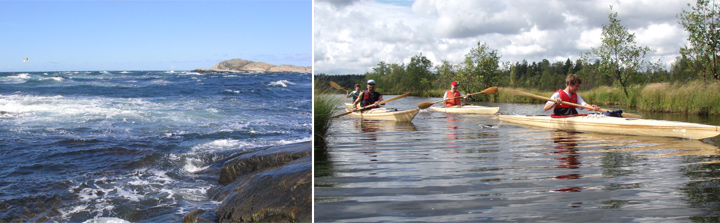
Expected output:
(615, 125)
(382, 114)
(468, 109)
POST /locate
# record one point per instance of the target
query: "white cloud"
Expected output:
(589, 39)
(353, 36)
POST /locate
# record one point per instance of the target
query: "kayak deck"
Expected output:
(615, 125)
(467, 109)
(381, 114)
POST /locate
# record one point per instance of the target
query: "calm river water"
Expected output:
(469, 168)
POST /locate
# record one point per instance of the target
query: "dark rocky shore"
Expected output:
(246, 66)
(269, 185)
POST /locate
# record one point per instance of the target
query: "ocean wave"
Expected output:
(106, 220)
(281, 83)
(221, 145)
(52, 79)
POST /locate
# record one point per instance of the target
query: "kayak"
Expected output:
(348, 105)
(617, 125)
(382, 114)
(469, 109)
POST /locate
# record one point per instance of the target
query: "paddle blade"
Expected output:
(629, 115)
(335, 85)
(490, 90)
(425, 105)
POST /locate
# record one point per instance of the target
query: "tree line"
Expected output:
(619, 62)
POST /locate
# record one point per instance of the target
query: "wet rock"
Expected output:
(200, 216)
(261, 160)
(278, 195)
(269, 185)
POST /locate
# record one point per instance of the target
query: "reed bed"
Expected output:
(323, 107)
(690, 98)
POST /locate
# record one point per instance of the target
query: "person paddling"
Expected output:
(354, 94)
(368, 98)
(453, 93)
(569, 94)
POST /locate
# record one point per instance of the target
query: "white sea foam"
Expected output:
(281, 83)
(52, 79)
(220, 145)
(194, 165)
(292, 141)
(106, 220)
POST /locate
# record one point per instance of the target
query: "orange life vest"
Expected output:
(452, 102)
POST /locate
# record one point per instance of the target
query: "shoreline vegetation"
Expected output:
(694, 97)
(323, 107)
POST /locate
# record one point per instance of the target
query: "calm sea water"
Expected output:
(471, 168)
(138, 145)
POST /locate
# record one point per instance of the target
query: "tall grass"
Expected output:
(323, 107)
(692, 98)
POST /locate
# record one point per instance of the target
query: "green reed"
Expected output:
(692, 98)
(323, 107)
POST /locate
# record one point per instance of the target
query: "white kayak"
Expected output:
(468, 109)
(382, 114)
(615, 125)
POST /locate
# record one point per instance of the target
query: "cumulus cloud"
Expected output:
(353, 36)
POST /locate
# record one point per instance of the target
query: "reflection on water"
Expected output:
(469, 168)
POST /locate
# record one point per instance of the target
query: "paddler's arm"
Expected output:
(357, 101)
(377, 103)
(551, 104)
(582, 102)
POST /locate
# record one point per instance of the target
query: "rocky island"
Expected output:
(246, 66)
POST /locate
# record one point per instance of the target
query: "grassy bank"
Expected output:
(323, 106)
(691, 98)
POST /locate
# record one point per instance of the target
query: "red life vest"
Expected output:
(572, 98)
(564, 110)
(370, 98)
(452, 102)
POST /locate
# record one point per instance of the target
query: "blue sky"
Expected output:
(152, 35)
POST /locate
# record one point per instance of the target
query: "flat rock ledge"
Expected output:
(269, 185)
(246, 66)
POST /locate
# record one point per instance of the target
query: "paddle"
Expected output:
(381, 102)
(490, 90)
(336, 86)
(525, 94)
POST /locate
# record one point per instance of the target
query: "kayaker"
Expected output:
(368, 98)
(453, 93)
(569, 94)
(354, 94)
